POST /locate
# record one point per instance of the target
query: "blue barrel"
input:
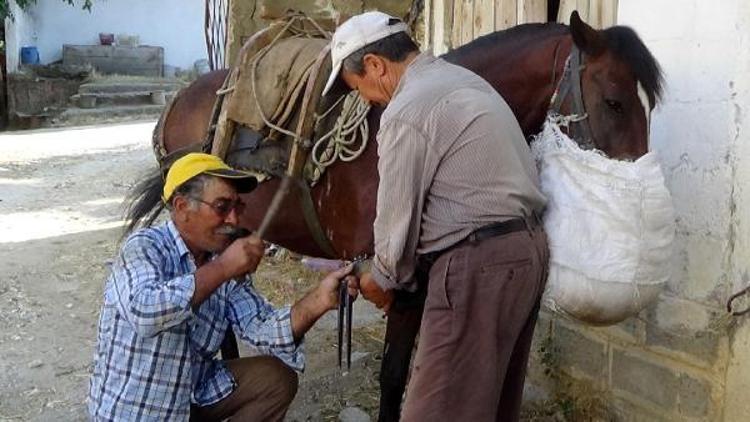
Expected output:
(29, 55)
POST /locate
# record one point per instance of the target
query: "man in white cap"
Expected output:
(173, 292)
(457, 206)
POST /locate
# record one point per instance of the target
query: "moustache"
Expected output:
(234, 232)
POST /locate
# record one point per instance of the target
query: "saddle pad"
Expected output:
(279, 75)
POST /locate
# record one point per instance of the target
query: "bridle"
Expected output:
(570, 84)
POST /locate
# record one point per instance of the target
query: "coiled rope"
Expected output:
(342, 141)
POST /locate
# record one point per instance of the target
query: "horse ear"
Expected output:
(588, 39)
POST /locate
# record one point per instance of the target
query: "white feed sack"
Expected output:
(611, 230)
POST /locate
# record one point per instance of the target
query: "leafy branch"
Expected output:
(6, 12)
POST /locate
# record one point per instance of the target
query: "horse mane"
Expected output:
(522, 34)
(622, 41)
(625, 44)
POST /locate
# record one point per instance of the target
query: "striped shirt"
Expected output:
(155, 354)
(452, 158)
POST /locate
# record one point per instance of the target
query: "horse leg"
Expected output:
(404, 319)
(400, 335)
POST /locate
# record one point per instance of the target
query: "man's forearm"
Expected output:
(207, 279)
(306, 312)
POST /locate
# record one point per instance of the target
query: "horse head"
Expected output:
(620, 83)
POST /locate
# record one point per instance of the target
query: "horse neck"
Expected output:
(524, 71)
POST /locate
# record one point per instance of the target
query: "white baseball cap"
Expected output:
(357, 32)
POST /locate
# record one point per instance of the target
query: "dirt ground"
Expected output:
(61, 194)
(61, 206)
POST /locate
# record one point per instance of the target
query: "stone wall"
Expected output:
(28, 94)
(248, 16)
(683, 358)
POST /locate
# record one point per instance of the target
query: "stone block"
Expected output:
(627, 411)
(580, 353)
(674, 313)
(646, 380)
(695, 396)
(632, 330)
(683, 326)
(703, 345)
(142, 60)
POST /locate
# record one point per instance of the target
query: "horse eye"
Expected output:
(614, 105)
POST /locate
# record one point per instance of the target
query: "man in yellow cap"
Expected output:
(173, 292)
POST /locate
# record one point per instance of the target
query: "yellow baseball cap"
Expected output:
(197, 163)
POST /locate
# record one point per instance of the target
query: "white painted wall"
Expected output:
(702, 133)
(176, 25)
(696, 130)
(18, 33)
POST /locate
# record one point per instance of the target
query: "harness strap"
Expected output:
(312, 220)
(302, 145)
(585, 140)
(221, 94)
(166, 161)
(157, 140)
(570, 83)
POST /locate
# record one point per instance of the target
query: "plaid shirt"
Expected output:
(156, 354)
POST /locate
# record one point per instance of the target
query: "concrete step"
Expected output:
(135, 86)
(80, 116)
(111, 99)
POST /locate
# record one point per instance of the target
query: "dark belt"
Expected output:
(425, 261)
(496, 229)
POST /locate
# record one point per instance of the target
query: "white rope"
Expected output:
(347, 140)
(566, 120)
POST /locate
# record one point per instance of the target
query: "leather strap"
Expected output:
(166, 161)
(570, 83)
(585, 139)
(312, 220)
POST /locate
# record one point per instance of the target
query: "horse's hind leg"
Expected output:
(401, 331)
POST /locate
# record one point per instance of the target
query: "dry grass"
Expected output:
(283, 279)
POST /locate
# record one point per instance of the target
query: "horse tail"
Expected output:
(144, 201)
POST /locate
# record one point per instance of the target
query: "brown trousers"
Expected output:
(265, 389)
(479, 316)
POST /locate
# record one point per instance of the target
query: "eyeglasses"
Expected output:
(223, 207)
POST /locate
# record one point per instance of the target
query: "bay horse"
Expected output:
(620, 83)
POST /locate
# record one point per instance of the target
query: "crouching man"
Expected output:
(173, 292)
